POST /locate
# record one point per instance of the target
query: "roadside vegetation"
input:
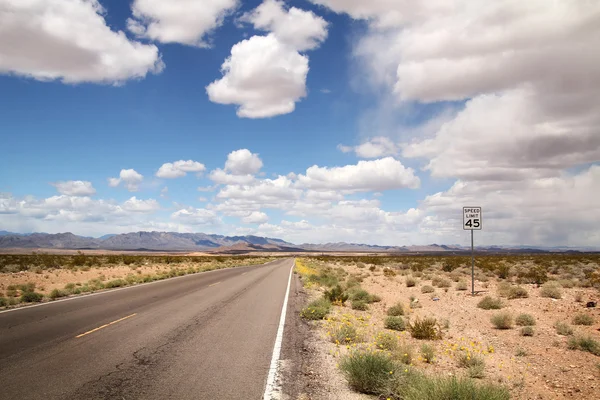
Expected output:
(392, 327)
(36, 277)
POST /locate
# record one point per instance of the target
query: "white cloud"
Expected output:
(69, 40)
(373, 148)
(179, 168)
(75, 188)
(179, 21)
(255, 217)
(164, 192)
(223, 178)
(377, 175)
(196, 216)
(266, 75)
(243, 162)
(130, 178)
(141, 206)
(301, 30)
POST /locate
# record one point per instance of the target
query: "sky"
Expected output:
(312, 121)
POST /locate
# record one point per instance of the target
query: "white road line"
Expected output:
(273, 389)
(125, 288)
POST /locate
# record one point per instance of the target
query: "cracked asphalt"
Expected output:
(203, 336)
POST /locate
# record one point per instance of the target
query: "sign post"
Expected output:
(472, 221)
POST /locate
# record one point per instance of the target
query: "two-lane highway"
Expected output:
(203, 336)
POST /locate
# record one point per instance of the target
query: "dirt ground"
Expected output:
(537, 367)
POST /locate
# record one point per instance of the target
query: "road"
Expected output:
(202, 336)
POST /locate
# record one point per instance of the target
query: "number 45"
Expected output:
(473, 223)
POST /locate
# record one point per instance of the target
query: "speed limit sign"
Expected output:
(472, 218)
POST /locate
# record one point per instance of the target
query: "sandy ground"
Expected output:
(538, 367)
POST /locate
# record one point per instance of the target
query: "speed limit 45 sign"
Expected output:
(472, 218)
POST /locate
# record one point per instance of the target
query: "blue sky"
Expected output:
(406, 114)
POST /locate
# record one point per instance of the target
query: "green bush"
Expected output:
(336, 295)
(461, 285)
(115, 283)
(476, 371)
(360, 305)
(428, 353)
(56, 293)
(563, 329)
(31, 297)
(389, 272)
(344, 334)
(404, 353)
(527, 331)
(584, 344)
(316, 310)
(418, 386)
(525, 320)
(396, 310)
(441, 282)
(467, 360)
(551, 290)
(502, 321)
(490, 303)
(3, 301)
(427, 289)
(583, 319)
(386, 341)
(395, 323)
(425, 329)
(411, 281)
(360, 294)
(368, 372)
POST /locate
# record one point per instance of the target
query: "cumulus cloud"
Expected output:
(377, 175)
(196, 216)
(221, 177)
(69, 40)
(179, 168)
(179, 21)
(130, 178)
(255, 217)
(243, 162)
(75, 188)
(266, 75)
(141, 206)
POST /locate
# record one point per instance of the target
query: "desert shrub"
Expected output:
(440, 282)
(3, 301)
(418, 386)
(367, 372)
(503, 271)
(584, 344)
(372, 268)
(404, 353)
(395, 323)
(115, 283)
(375, 298)
(396, 310)
(56, 293)
(344, 334)
(476, 371)
(360, 294)
(386, 341)
(316, 310)
(467, 360)
(428, 353)
(583, 319)
(27, 287)
(324, 278)
(352, 282)
(566, 283)
(360, 305)
(563, 329)
(490, 303)
(427, 289)
(517, 292)
(31, 297)
(461, 285)
(425, 329)
(389, 272)
(537, 274)
(551, 290)
(411, 281)
(336, 295)
(525, 320)
(526, 331)
(502, 321)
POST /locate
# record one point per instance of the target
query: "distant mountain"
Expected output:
(173, 241)
(165, 241)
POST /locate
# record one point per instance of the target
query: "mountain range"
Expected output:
(173, 241)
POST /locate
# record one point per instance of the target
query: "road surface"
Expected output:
(202, 336)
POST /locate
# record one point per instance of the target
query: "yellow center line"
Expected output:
(214, 284)
(104, 326)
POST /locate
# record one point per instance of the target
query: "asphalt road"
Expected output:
(203, 336)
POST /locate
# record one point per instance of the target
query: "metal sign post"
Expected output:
(472, 221)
